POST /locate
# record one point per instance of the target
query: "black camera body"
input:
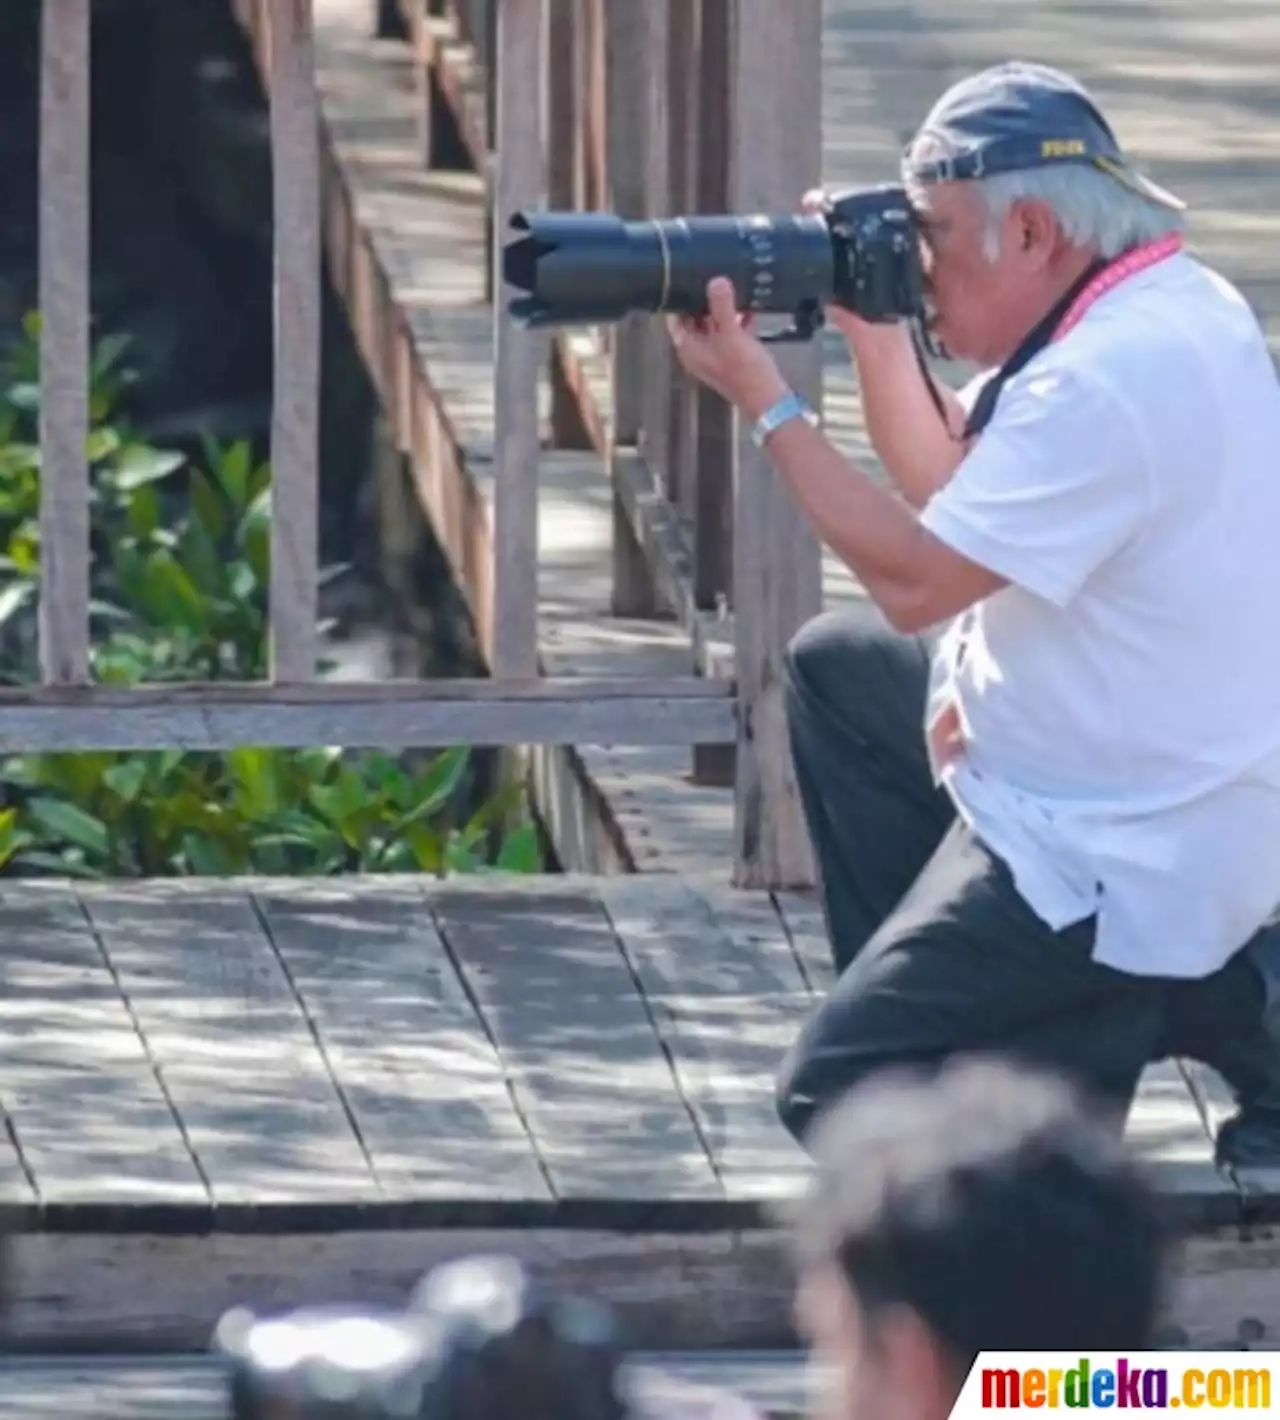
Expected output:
(875, 242)
(479, 1340)
(862, 253)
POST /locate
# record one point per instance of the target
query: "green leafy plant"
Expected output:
(183, 583)
(252, 811)
(123, 474)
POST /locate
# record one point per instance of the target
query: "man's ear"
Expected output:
(1037, 230)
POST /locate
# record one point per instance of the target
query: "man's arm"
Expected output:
(919, 451)
(914, 577)
(1054, 487)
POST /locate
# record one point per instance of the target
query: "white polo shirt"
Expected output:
(1120, 700)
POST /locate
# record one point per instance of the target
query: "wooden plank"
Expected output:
(90, 1115)
(689, 1290)
(777, 577)
(232, 1044)
(520, 182)
(295, 413)
(64, 342)
(729, 999)
(420, 1075)
(386, 714)
(574, 1035)
(132, 1293)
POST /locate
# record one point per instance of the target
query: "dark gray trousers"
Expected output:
(937, 951)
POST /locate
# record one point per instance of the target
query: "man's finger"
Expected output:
(722, 305)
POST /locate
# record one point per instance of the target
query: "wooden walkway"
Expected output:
(274, 1092)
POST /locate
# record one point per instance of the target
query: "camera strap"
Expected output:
(1096, 282)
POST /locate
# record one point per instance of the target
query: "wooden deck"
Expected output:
(276, 1092)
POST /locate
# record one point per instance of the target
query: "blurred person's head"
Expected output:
(1020, 186)
(980, 1209)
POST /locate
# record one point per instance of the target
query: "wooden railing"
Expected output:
(654, 107)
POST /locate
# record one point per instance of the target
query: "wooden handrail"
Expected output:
(688, 106)
(671, 106)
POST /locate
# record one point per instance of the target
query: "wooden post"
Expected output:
(564, 173)
(713, 459)
(683, 60)
(64, 342)
(519, 182)
(295, 424)
(777, 133)
(627, 85)
(702, 433)
(564, 104)
(656, 115)
(591, 57)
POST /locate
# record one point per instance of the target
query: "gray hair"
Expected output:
(1093, 209)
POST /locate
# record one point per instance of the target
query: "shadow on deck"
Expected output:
(273, 1092)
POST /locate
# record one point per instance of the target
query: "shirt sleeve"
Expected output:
(1054, 486)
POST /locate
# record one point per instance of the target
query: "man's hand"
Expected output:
(854, 329)
(920, 450)
(721, 351)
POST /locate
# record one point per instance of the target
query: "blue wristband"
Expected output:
(789, 407)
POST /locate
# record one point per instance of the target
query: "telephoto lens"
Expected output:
(862, 253)
(595, 268)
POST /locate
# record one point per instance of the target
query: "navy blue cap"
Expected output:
(1015, 116)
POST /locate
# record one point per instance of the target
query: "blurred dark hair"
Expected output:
(994, 1204)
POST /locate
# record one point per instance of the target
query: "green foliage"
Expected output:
(250, 811)
(180, 579)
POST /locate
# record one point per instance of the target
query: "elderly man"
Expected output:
(1054, 827)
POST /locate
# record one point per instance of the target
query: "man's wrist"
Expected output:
(790, 407)
(873, 341)
(761, 398)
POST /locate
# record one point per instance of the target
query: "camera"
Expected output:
(862, 252)
(479, 1340)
